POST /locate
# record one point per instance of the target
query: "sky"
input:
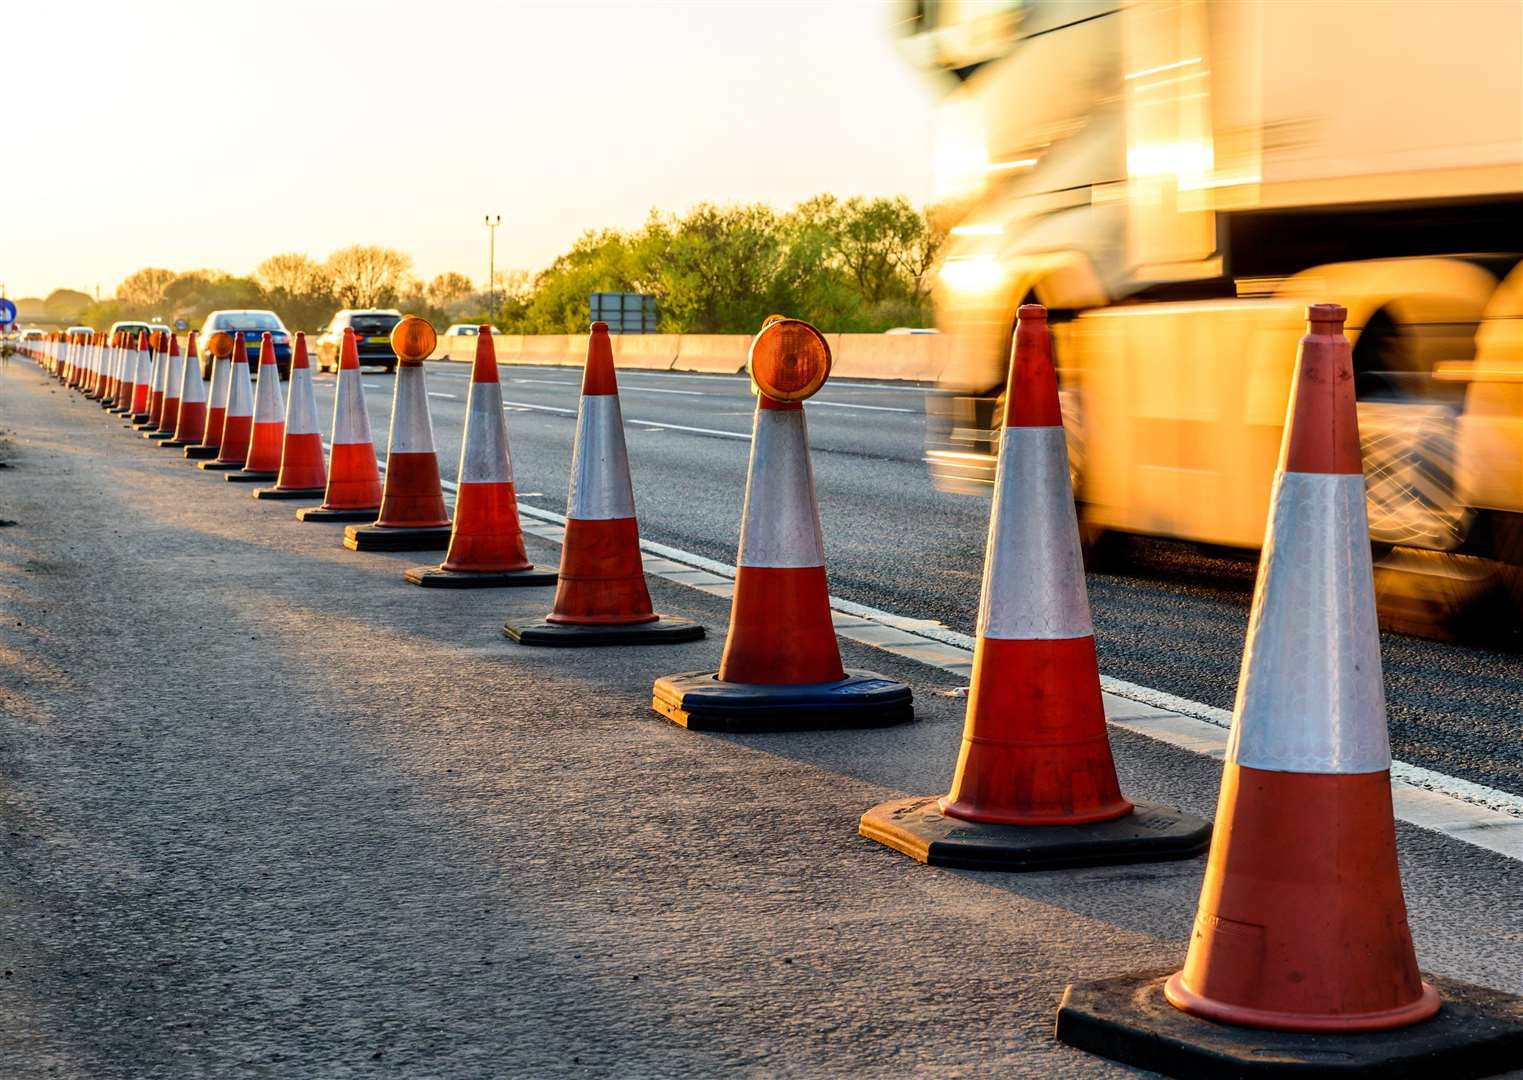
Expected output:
(190, 134)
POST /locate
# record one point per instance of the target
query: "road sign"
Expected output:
(7, 313)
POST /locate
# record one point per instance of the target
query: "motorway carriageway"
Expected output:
(1174, 620)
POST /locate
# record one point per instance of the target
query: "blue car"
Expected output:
(254, 325)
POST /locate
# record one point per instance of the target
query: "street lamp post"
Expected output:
(492, 265)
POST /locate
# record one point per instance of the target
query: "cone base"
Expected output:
(917, 828)
(196, 453)
(173, 444)
(243, 476)
(289, 493)
(396, 538)
(156, 436)
(665, 630)
(436, 577)
(1478, 1032)
(700, 701)
(220, 466)
(327, 513)
(140, 421)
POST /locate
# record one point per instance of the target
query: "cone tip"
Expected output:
(600, 327)
(1029, 312)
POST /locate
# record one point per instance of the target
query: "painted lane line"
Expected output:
(544, 382)
(847, 405)
(540, 408)
(447, 397)
(697, 430)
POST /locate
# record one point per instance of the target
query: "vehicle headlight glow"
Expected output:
(972, 273)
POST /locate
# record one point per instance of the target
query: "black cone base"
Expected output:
(198, 452)
(698, 700)
(435, 577)
(243, 476)
(1477, 1032)
(289, 493)
(323, 513)
(156, 436)
(140, 420)
(173, 444)
(393, 538)
(665, 630)
(220, 466)
(919, 829)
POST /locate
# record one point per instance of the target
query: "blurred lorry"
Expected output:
(1175, 181)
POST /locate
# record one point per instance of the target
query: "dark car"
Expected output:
(372, 338)
(254, 325)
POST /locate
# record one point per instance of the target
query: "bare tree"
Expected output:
(367, 276)
(292, 274)
(145, 289)
(447, 289)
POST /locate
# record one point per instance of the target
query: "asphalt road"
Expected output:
(268, 811)
(1172, 619)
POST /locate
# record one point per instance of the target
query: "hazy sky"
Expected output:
(212, 134)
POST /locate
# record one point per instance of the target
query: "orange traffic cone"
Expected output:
(602, 598)
(412, 516)
(1035, 785)
(303, 474)
(126, 389)
(781, 668)
(220, 345)
(174, 375)
(147, 370)
(190, 423)
(486, 546)
(263, 459)
(104, 382)
(1300, 946)
(158, 372)
(354, 482)
(238, 416)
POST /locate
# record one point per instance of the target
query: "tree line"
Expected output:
(847, 265)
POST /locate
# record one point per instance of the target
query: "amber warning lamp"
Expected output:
(789, 359)
(221, 344)
(413, 339)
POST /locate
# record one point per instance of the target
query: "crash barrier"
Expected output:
(894, 357)
(1300, 953)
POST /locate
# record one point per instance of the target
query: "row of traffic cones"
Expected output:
(1301, 945)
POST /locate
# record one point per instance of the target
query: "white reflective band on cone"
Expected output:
(158, 373)
(600, 488)
(780, 523)
(1033, 570)
(351, 423)
(221, 383)
(174, 375)
(240, 395)
(1310, 698)
(301, 412)
(144, 367)
(192, 389)
(411, 430)
(484, 457)
(268, 405)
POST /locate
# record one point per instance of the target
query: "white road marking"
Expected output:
(540, 408)
(698, 430)
(847, 405)
(545, 382)
(449, 397)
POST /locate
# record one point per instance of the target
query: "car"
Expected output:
(254, 322)
(461, 329)
(131, 326)
(372, 337)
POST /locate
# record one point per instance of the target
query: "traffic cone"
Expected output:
(158, 374)
(238, 418)
(142, 383)
(601, 598)
(263, 459)
(1300, 946)
(302, 473)
(1035, 785)
(190, 423)
(354, 482)
(174, 375)
(781, 668)
(119, 392)
(486, 546)
(101, 381)
(126, 392)
(220, 344)
(412, 516)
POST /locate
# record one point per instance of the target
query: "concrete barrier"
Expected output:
(713, 353)
(646, 352)
(890, 357)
